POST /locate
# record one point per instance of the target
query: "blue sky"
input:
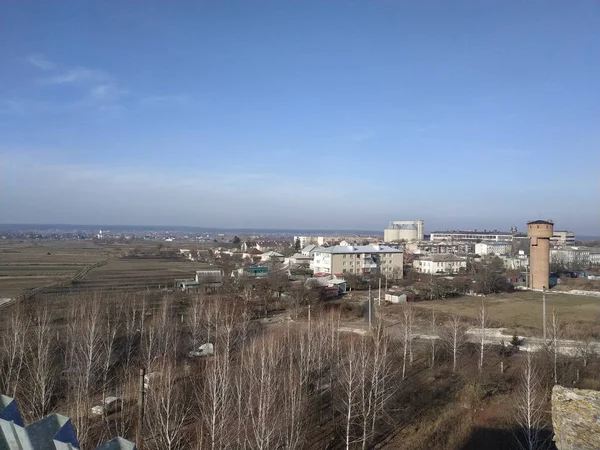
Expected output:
(300, 114)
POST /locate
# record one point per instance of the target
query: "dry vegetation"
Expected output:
(522, 310)
(294, 384)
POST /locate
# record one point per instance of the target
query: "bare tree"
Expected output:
(262, 399)
(483, 322)
(529, 405)
(433, 339)
(406, 336)
(41, 365)
(454, 337)
(555, 332)
(351, 385)
(167, 408)
(13, 351)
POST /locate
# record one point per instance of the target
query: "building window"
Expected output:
(344, 263)
(344, 269)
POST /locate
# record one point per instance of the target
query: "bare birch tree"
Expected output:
(483, 323)
(167, 409)
(350, 386)
(41, 365)
(529, 405)
(433, 338)
(13, 351)
(555, 332)
(406, 337)
(454, 338)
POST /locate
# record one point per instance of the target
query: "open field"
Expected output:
(25, 265)
(134, 274)
(522, 310)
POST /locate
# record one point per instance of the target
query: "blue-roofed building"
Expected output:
(55, 432)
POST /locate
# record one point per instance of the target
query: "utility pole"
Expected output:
(379, 298)
(140, 416)
(544, 311)
(309, 321)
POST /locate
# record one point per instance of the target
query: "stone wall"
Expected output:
(576, 418)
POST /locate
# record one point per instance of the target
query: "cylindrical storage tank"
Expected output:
(539, 233)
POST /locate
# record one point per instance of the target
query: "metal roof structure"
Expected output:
(54, 432)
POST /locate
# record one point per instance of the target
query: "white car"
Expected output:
(207, 349)
(111, 405)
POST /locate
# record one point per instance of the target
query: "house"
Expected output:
(272, 256)
(255, 271)
(309, 250)
(440, 264)
(331, 285)
(253, 254)
(360, 259)
(297, 259)
(52, 432)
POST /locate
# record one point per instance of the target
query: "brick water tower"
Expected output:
(539, 233)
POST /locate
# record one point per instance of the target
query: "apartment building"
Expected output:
(472, 235)
(562, 238)
(440, 264)
(360, 259)
(493, 248)
(428, 247)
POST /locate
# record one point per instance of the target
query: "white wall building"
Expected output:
(493, 248)
(359, 259)
(472, 235)
(440, 264)
(562, 238)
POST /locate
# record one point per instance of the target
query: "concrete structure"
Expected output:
(404, 230)
(471, 235)
(493, 248)
(55, 432)
(361, 259)
(539, 233)
(562, 238)
(440, 264)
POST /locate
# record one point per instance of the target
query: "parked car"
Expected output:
(207, 349)
(110, 405)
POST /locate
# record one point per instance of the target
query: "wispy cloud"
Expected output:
(79, 75)
(41, 62)
(108, 92)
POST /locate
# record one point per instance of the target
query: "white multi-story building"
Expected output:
(493, 248)
(360, 259)
(562, 238)
(472, 235)
(440, 264)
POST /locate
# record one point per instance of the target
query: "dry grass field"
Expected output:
(26, 265)
(522, 310)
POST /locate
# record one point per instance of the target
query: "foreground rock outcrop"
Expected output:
(576, 418)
